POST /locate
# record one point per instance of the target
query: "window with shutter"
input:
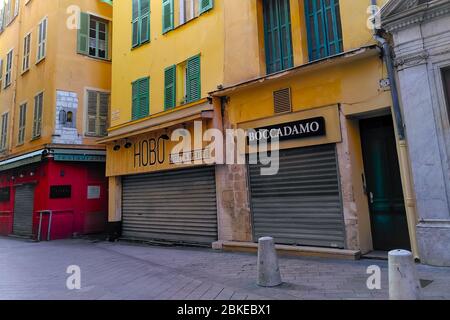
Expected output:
(42, 40)
(4, 132)
(170, 79)
(193, 79)
(8, 71)
(167, 15)
(206, 5)
(140, 22)
(140, 99)
(37, 120)
(22, 123)
(324, 28)
(26, 52)
(1, 72)
(278, 37)
(97, 113)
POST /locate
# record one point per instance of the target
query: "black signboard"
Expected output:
(60, 192)
(300, 129)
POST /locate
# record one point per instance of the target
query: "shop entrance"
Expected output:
(23, 210)
(383, 184)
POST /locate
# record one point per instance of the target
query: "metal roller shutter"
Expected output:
(174, 206)
(301, 205)
(23, 210)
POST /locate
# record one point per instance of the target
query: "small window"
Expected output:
(5, 194)
(60, 192)
(93, 36)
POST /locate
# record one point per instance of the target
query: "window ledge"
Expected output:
(187, 22)
(25, 72)
(95, 58)
(40, 60)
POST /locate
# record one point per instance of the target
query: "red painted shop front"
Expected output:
(74, 192)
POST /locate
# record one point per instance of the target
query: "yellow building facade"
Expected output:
(55, 59)
(262, 65)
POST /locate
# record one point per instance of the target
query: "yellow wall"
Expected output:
(203, 35)
(62, 69)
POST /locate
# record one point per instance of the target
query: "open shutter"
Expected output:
(170, 87)
(83, 34)
(168, 19)
(272, 44)
(333, 26)
(285, 34)
(206, 5)
(145, 21)
(135, 23)
(92, 113)
(193, 79)
(39, 118)
(316, 30)
(144, 103)
(102, 124)
(135, 101)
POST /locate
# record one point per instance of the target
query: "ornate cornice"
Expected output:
(400, 15)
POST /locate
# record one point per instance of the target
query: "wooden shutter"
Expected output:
(206, 5)
(22, 123)
(42, 39)
(135, 101)
(324, 28)
(4, 133)
(170, 87)
(92, 113)
(144, 86)
(278, 38)
(168, 18)
(102, 120)
(144, 21)
(83, 34)
(37, 121)
(333, 26)
(135, 23)
(193, 84)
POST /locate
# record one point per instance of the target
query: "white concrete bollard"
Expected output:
(268, 269)
(403, 280)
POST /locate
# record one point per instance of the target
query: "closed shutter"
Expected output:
(170, 77)
(301, 205)
(333, 26)
(37, 125)
(175, 206)
(135, 101)
(206, 5)
(92, 113)
(102, 122)
(23, 210)
(83, 34)
(144, 101)
(278, 37)
(193, 85)
(168, 17)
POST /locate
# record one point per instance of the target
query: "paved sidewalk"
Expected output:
(129, 271)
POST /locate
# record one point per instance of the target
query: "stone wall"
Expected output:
(66, 133)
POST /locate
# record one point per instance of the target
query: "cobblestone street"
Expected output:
(129, 271)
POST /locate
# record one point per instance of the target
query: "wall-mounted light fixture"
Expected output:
(128, 144)
(117, 146)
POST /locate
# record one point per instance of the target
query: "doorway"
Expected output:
(23, 210)
(383, 184)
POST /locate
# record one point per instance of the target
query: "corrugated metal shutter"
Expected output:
(23, 210)
(174, 206)
(302, 204)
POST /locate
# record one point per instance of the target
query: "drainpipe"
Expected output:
(405, 169)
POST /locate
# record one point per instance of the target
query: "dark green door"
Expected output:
(384, 188)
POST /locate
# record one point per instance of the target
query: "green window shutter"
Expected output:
(144, 99)
(324, 28)
(206, 5)
(144, 21)
(168, 17)
(83, 34)
(135, 23)
(170, 79)
(193, 84)
(135, 101)
(278, 37)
